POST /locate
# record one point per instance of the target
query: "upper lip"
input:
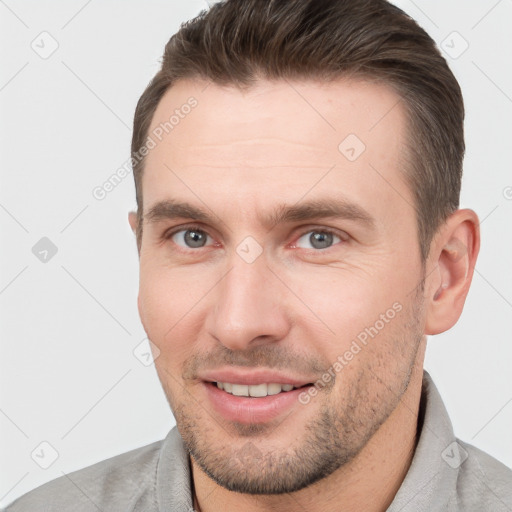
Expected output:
(253, 377)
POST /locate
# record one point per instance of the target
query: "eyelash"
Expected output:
(194, 227)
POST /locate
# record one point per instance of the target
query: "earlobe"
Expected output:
(454, 256)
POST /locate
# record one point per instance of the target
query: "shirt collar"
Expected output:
(173, 477)
(433, 471)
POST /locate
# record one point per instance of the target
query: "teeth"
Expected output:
(259, 390)
(256, 390)
(274, 389)
(240, 390)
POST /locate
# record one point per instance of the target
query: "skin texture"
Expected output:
(296, 308)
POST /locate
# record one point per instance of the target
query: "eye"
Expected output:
(318, 239)
(190, 237)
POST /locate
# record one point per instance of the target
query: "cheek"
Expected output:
(169, 303)
(362, 315)
(345, 300)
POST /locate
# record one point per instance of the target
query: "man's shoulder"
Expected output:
(119, 483)
(483, 481)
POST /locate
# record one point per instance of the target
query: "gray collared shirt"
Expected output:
(446, 474)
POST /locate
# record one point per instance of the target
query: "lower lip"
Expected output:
(248, 410)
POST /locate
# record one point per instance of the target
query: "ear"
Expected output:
(132, 219)
(453, 255)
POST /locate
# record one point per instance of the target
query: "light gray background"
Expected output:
(69, 326)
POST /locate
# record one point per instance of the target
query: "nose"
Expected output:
(248, 306)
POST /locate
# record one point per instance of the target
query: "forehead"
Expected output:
(304, 116)
(277, 140)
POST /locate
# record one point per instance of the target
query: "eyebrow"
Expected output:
(305, 211)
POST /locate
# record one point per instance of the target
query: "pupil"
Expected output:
(194, 238)
(321, 240)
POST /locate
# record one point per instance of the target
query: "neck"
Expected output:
(369, 482)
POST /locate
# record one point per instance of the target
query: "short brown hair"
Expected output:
(238, 42)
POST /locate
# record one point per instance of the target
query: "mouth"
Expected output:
(254, 403)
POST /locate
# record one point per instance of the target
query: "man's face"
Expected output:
(251, 298)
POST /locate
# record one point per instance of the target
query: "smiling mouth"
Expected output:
(256, 390)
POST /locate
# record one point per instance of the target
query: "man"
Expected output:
(297, 168)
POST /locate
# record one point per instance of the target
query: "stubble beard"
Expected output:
(328, 441)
